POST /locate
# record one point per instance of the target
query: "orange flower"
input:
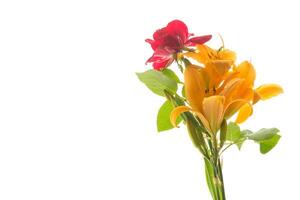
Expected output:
(216, 63)
(211, 109)
(246, 72)
(234, 93)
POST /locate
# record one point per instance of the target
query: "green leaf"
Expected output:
(183, 92)
(171, 74)
(267, 138)
(244, 134)
(263, 134)
(194, 135)
(163, 117)
(233, 132)
(268, 145)
(223, 132)
(157, 82)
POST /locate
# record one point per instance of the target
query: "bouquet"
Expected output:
(210, 94)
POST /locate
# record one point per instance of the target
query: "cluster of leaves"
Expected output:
(158, 82)
(267, 138)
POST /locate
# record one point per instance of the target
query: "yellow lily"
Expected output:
(211, 110)
(216, 62)
(217, 91)
(205, 55)
(246, 72)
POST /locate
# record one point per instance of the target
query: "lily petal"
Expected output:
(247, 94)
(230, 87)
(194, 86)
(268, 91)
(227, 54)
(213, 110)
(220, 66)
(244, 113)
(256, 97)
(234, 106)
(176, 112)
(246, 70)
(204, 121)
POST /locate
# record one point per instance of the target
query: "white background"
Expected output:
(75, 122)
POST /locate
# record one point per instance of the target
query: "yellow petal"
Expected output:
(210, 75)
(204, 121)
(176, 112)
(244, 113)
(213, 110)
(247, 94)
(227, 54)
(256, 97)
(204, 54)
(246, 70)
(226, 79)
(231, 87)
(220, 66)
(268, 91)
(194, 86)
(234, 106)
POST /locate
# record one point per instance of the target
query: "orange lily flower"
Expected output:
(206, 55)
(211, 109)
(216, 62)
(246, 72)
(235, 94)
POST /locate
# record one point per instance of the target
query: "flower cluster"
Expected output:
(215, 87)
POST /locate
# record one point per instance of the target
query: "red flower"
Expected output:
(170, 40)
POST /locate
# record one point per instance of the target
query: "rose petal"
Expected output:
(159, 65)
(198, 40)
(154, 43)
(178, 28)
(161, 58)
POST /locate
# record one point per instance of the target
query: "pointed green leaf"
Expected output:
(244, 134)
(268, 145)
(194, 135)
(233, 132)
(263, 134)
(163, 117)
(157, 82)
(171, 74)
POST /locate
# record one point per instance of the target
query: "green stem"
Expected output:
(214, 179)
(221, 179)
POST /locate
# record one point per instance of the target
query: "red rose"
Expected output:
(170, 40)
